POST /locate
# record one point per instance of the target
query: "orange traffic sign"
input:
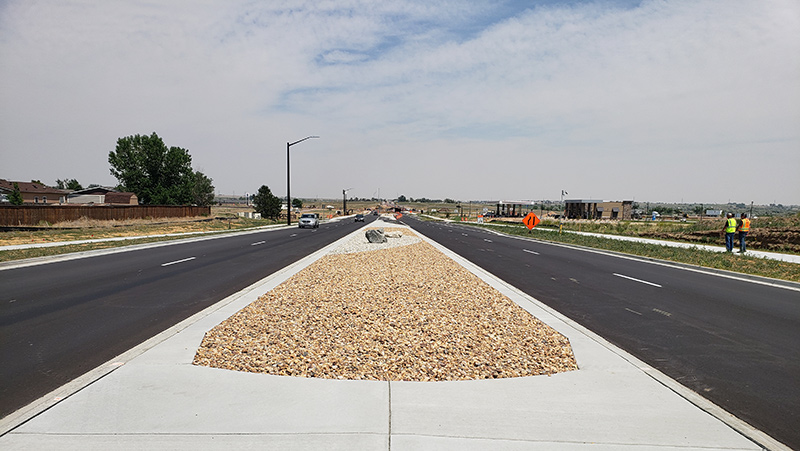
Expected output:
(531, 220)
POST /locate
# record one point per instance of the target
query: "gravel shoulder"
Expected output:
(401, 310)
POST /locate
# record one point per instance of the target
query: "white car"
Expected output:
(308, 220)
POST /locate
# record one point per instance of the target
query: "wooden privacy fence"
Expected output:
(26, 215)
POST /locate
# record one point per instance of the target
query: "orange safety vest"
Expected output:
(745, 227)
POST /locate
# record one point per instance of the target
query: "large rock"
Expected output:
(375, 236)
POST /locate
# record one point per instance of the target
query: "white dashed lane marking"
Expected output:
(637, 280)
(178, 261)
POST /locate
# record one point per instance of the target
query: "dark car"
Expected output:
(359, 218)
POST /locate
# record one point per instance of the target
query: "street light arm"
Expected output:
(288, 174)
(297, 142)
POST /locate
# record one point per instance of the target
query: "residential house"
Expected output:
(34, 192)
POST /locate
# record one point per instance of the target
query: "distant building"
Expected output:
(598, 209)
(34, 193)
(513, 208)
(102, 196)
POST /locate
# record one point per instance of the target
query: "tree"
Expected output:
(202, 190)
(297, 203)
(70, 184)
(266, 203)
(156, 174)
(16, 196)
(402, 198)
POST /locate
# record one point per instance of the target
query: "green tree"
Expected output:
(266, 203)
(202, 190)
(297, 203)
(402, 198)
(16, 196)
(157, 174)
(70, 184)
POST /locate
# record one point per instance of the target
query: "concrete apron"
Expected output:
(153, 397)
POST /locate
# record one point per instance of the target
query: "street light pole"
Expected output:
(288, 196)
(344, 201)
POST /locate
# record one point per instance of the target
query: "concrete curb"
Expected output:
(403, 397)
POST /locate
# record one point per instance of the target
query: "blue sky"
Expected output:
(664, 100)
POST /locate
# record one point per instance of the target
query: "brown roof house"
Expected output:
(34, 192)
(102, 196)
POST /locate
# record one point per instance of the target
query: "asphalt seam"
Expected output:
(741, 427)
(16, 419)
(761, 280)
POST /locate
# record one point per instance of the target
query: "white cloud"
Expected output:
(592, 96)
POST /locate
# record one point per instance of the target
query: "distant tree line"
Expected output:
(403, 198)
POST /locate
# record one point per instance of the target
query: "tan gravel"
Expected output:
(401, 313)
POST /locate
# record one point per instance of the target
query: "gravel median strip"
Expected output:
(402, 312)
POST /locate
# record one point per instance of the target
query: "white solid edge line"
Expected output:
(745, 429)
(21, 416)
(34, 408)
(637, 280)
(668, 264)
(36, 261)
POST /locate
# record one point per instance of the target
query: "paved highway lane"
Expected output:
(735, 342)
(62, 319)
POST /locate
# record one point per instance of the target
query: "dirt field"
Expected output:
(781, 234)
(773, 239)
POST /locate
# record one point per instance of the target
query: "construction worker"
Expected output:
(730, 231)
(743, 227)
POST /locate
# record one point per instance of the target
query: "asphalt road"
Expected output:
(61, 320)
(733, 341)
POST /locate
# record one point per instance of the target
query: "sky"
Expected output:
(653, 100)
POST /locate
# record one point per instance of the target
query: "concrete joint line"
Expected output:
(390, 414)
